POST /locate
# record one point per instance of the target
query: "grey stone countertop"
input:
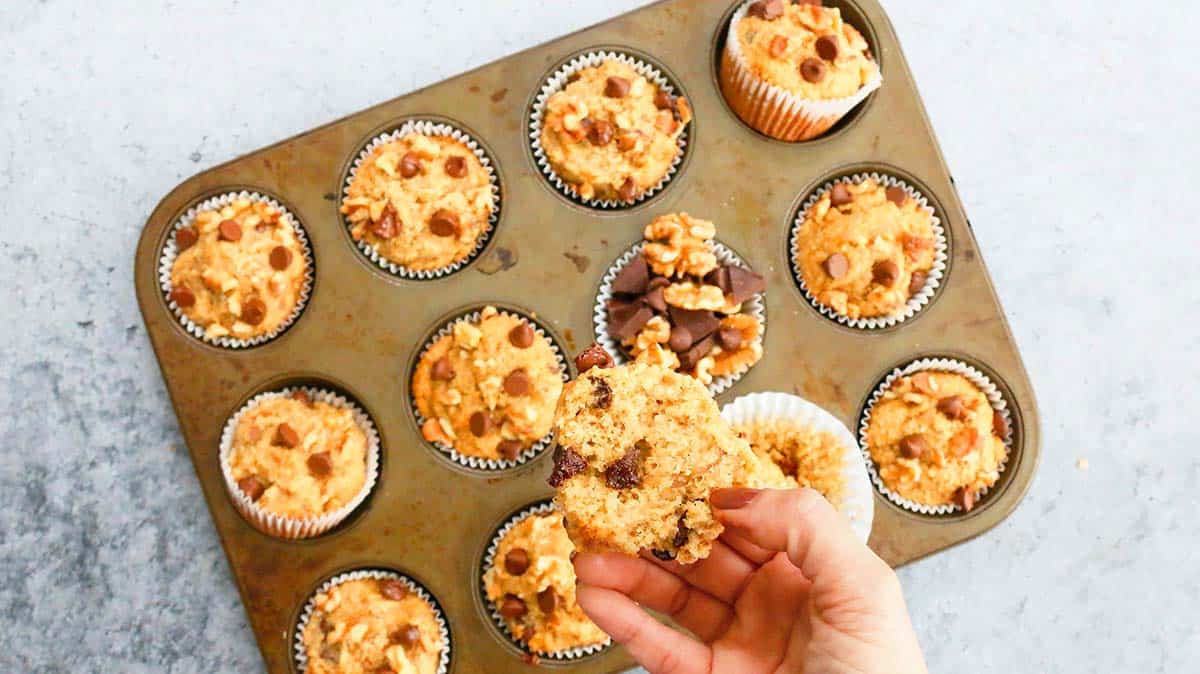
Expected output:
(1070, 130)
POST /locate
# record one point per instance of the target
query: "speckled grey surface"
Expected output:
(1070, 130)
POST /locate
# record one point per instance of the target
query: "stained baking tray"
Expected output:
(431, 519)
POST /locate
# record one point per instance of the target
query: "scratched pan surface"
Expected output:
(360, 331)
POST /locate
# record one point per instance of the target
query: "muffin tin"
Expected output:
(427, 517)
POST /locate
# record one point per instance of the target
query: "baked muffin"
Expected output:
(240, 271)
(487, 389)
(641, 448)
(792, 70)
(936, 440)
(421, 201)
(611, 134)
(531, 583)
(677, 305)
(808, 457)
(372, 625)
(864, 249)
(298, 458)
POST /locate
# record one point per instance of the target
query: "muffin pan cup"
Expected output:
(362, 327)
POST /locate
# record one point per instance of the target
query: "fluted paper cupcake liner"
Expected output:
(493, 611)
(773, 110)
(301, 654)
(995, 398)
(426, 127)
(755, 306)
(282, 526)
(858, 500)
(170, 253)
(476, 462)
(558, 81)
(916, 302)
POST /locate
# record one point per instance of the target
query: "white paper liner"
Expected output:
(426, 128)
(934, 365)
(170, 252)
(556, 82)
(755, 306)
(858, 499)
(916, 302)
(488, 561)
(476, 462)
(289, 527)
(773, 110)
(299, 651)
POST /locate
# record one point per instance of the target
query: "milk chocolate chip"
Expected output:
(965, 498)
(254, 311)
(301, 396)
(280, 258)
(407, 636)
(516, 561)
(601, 394)
(442, 370)
(999, 425)
(601, 133)
(285, 436)
(680, 340)
(664, 101)
(730, 339)
(456, 167)
(183, 297)
(547, 600)
(913, 446)
(625, 471)
(896, 195)
(509, 449)
(836, 265)
(628, 190)
(633, 277)
(521, 336)
(813, 70)
(567, 464)
(512, 607)
(229, 230)
(840, 195)
(444, 223)
(480, 423)
(885, 273)
(517, 383)
(593, 356)
(251, 487)
(917, 283)
(320, 465)
(388, 224)
(768, 10)
(827, 47)
(952, 407)
(410, 165)
(185, 238)
(616, 87)
(392, 588)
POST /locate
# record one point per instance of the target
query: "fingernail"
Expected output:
(732, 499)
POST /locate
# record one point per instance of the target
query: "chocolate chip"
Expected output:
(512, 607)
(548, 600)
(840, 195)
(768, 10)
(182, 297)
(185, 237)
(229, 230)
(509, 449)
(410, 165)
(521, 336)
(664, 100)
(730, 339)
(442, 370)
(656, 301)
(320, 465)
(885, 273)
(626, 141)
(744, 284)
(633, 277)
(388, 224)
(517, 383)
(444, 223)
(593, 356)
(409, 635)
(627, 319)
(836, 265)
(456, 167)
(779, 45)
(628, 190)
(285, 436)
(625, 472)
(392, 588)
(601, 394)
(280, 258)
(700, 324)
(601, 133)
(567, 464)
(616, 87)
(965, 498)
(688, 360)
(301, 396)
(251, 487)
(480, 423)
(680, 340)
(664, 555)
(913, 446)
(827, 47)
(917, 283)
(681, 534)
(999, 425)
(254, 311)
(896, 195)
(953, 407)
(719, 277)
(516, 561)
(813, 70)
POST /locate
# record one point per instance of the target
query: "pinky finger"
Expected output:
(658, 648)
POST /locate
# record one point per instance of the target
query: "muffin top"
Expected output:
(240, 270)
(421, 201)
(372, 626)
(532, 584)
(612, 134)
(676, 306)
(865, 249)
(488, 388)
(296, 457)
(810, 458)
(804, 48)
(936, 439)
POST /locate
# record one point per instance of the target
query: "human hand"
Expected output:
(787, 588)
